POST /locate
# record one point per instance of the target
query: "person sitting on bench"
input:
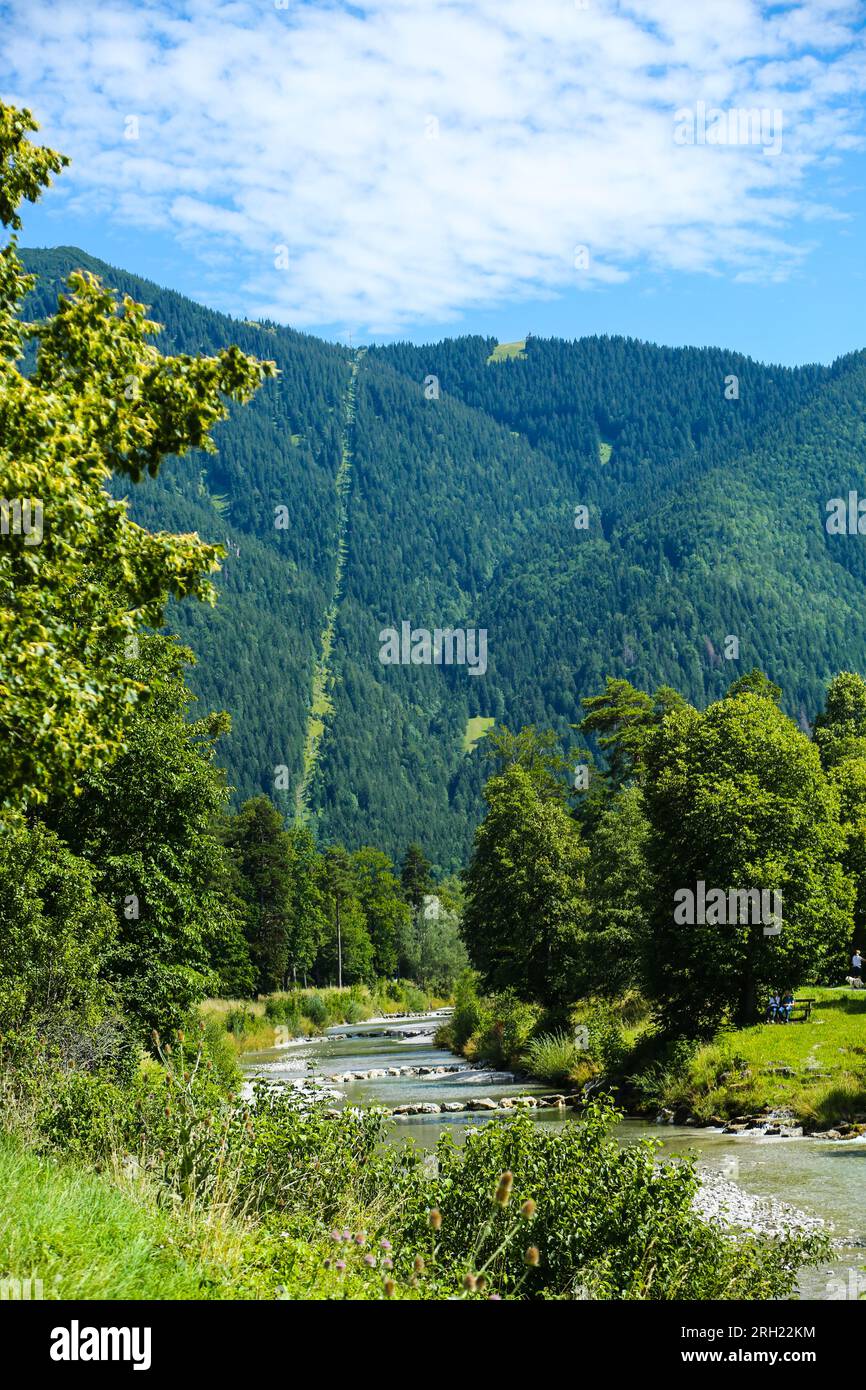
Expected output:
(773, 1008)
(786, 1008)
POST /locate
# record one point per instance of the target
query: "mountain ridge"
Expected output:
(705, 521)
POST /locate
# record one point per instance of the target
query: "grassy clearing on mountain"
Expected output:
(503, 351)
(475, 730)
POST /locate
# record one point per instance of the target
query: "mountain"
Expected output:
(437, 486)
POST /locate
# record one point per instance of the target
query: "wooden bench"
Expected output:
(805, 1008)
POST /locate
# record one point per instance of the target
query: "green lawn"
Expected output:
(475, 729)
(503, 351)
(85, 1238)
(826, 1058)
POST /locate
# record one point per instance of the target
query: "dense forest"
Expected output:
(705, 477)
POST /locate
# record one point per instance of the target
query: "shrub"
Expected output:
(606, 1221)
(468, 1015)
(315, 1009)
(553, 1058)
(507, 1030)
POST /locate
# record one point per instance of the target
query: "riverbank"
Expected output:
(804, 1078)
(754, 1184)
(289, 1016)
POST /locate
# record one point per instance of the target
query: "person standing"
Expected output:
(857, 964)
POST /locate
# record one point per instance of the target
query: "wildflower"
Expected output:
(180, 1035)
(494, 1298)
(419, 1264)
(528, 1208)
(340, 1266)
(370, 1260)
(532, 1256)
(503, 1195)
(360, 1238)
(387, 1264)
(385, 1244)
(389, 1287)
(155, 1036)
(335, 1235)
(434, 1219)
(469, 1282)
(347, 1235)
(506, 1179)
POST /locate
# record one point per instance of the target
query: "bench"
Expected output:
(805, 1010)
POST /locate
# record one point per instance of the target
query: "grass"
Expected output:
(253, 1026)
(503, 351)
(553, 1058)
(84, 1237)
(816, 1070)
(604, 452)
(475, 729)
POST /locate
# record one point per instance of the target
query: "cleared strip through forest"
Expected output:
(321, 704)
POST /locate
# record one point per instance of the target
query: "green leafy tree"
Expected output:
(146, 823)
(101, 401)
(56, 931)
(736, 797)
(386, 914)
(432, 949)
(840, 734)
(622, 719)
(617, 885)
(526, 908)
(262, 853)
(754, 682)
(347, 952)
(415, 875)
(308, 925)
(840, 728)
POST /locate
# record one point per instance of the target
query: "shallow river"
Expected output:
(821, 1177)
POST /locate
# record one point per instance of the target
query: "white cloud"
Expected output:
(308, 127)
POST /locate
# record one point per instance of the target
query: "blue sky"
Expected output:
(681, 172)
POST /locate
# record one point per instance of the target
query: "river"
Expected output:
(822, 1178)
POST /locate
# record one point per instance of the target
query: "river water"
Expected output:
(823, 1178)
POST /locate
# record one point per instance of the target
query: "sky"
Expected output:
(683, 171)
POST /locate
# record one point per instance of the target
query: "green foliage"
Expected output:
(145, 824)
(415, 876)
(526, 908)
(101, 400)
(737, 798)
(55, 929)
(552, 1058)
(609, 1221)
(505, 1028)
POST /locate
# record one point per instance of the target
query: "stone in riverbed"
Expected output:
(484, 1103)
(452, 1106)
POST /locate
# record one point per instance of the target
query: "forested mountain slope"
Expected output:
(706, 520)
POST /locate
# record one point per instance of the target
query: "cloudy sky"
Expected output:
(412, 168)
